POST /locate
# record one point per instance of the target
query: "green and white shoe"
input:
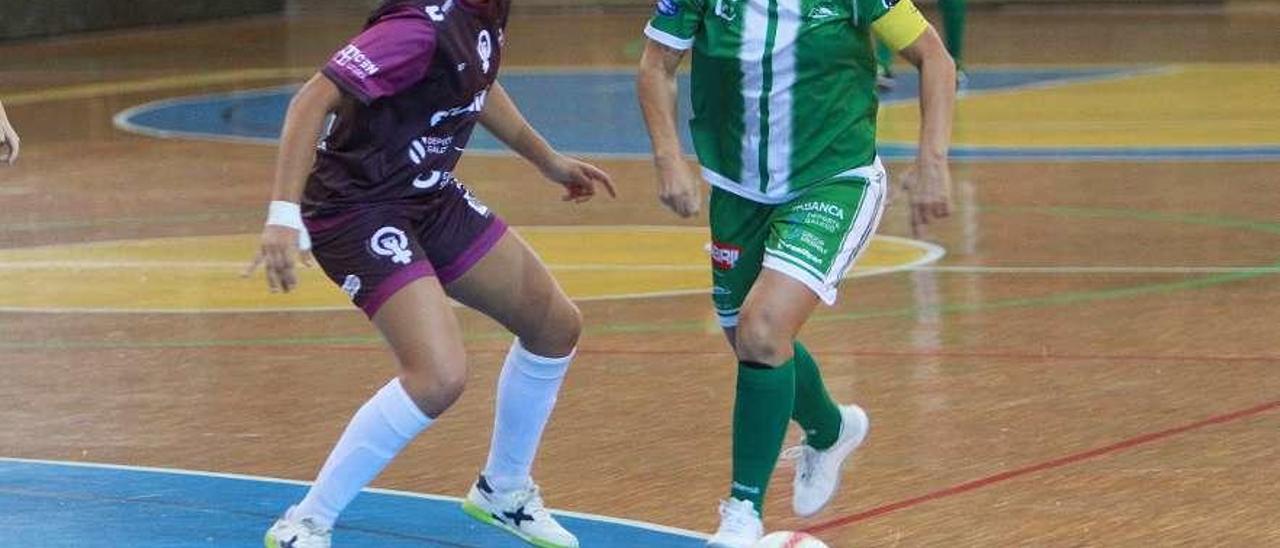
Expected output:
(818, 472)
(519, 512)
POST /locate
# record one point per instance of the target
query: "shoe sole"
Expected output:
(840, 469)
(270, 541)
(481, 515)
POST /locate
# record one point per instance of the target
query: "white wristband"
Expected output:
(289, 215)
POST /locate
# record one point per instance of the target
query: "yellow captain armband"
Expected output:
(901, 26)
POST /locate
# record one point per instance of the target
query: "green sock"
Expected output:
(816, 412)
(884, 56)
(953, 16)
(761, 413)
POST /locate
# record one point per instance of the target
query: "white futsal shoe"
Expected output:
(740, 525)
(296, 533)
(519, 512)
(818, 472)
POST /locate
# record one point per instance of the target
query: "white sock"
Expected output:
(380, 429)
(527, 390)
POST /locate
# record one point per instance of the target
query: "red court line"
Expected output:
(991, 355)
(899, 354)
(1048, 465)
(1029, 356)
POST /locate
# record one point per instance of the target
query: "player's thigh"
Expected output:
(816, 238)
(418, 323)
(739, 232)
(485, 266)
(775, 310)
(511, 285)
(375, 256)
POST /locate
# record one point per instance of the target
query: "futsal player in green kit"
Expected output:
(784, 125)
(954, 13)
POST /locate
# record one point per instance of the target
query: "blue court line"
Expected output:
(50, 503)
(594, 113)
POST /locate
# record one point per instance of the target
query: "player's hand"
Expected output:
(8, 142)
(278, 253)
(928, 186)
(578, 178)
(679, 188)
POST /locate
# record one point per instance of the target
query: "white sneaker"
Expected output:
(301, 533)
(818, 472)
(740, 525)
(519, 512)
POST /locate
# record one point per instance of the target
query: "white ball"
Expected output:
(789, 539)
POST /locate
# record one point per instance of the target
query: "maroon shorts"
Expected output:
(372, 251)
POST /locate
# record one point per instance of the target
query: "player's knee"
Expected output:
(761, 340)
(571, 326)
(435, 390)
(557, 335)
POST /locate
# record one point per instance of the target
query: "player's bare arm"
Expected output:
(302, 126)
(656, 84)
(503, 119)
(929, 185)
(8, 139)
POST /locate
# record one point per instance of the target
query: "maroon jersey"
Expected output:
(414, 84)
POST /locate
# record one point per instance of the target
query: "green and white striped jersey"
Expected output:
(783, 90)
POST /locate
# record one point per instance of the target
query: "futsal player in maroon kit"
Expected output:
(389, 223)
(8, 140)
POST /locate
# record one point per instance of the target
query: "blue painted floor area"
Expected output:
(50, 504)
(595, 113)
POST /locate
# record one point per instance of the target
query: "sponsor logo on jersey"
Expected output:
(356, 62)
(822, 12)
(475, 106)
(437, 13)
(475, 203)
(669, 8)
(724, 256)
(484, 46)
(727, 9)
(390, 241)
(432, 180)
(802, 252)
(422, 147)
(827, 208)
(351, 285)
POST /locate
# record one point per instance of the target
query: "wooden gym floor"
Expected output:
(1093, 363)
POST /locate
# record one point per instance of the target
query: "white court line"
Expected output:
(856, 273)
(1068, 269)
(391, 492)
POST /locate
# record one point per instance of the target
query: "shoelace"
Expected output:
(806, 459)
(531, 499)
(313, 527)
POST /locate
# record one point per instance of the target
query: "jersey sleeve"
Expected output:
(388, 57)
(897, 23)
(675, 23)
